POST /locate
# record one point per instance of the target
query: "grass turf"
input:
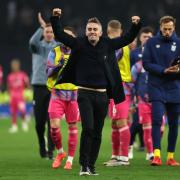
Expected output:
(19, 159)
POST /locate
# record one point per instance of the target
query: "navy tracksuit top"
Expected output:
(157, 56)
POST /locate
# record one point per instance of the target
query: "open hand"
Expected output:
(41, 20)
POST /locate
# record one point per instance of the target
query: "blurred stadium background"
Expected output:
(18, 19)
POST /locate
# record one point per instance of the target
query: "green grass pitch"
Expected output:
(19, 159)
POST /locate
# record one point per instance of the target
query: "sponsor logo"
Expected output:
(158, 46)
(173, 47)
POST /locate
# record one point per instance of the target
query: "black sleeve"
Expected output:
(119, 42)
(60, 35)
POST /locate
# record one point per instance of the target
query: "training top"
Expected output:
(40, 50)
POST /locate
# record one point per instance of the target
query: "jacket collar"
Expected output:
(172, 38)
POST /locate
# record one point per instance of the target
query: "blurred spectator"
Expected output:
(26, 15)
(12, 12)
(17, 80)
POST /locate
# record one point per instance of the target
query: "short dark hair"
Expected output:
(115, 24)
(166, 19)
(69, 28)
(146, 29)
(94, 20)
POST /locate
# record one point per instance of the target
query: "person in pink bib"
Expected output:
(17, 81)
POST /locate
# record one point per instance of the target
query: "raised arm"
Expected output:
(36, 38)
(119, 42)
(58, 30)
(34, 42)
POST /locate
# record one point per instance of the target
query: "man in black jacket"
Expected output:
(93, 68)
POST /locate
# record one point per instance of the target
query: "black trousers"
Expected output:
(41, 102)
(93, 110)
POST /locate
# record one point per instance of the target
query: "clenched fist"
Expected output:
(135, 19)
(57, 12)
